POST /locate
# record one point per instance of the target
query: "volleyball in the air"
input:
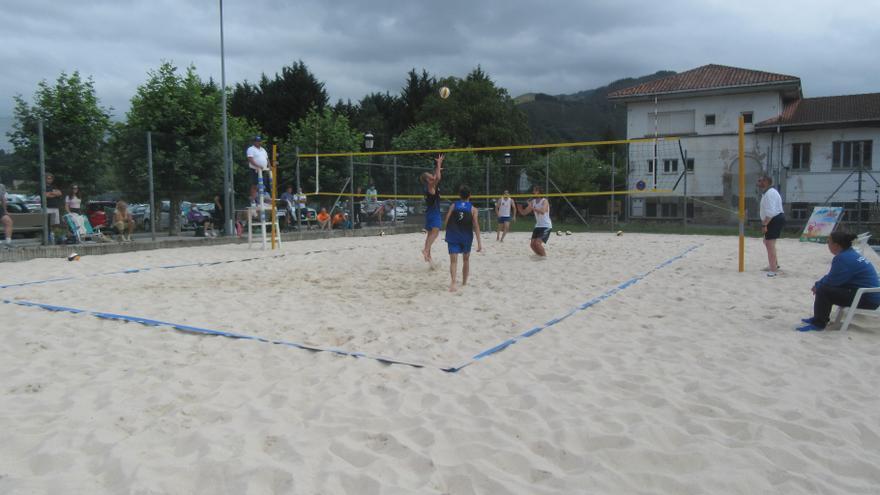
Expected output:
(444, 92)
(73, 257)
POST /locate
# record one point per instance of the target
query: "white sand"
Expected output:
(690, 381)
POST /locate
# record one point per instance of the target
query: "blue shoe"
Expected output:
(810, 328)
(808, 321)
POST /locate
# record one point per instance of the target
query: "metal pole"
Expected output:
(626, 199)
(488, 203)
(742, 193)
(613, 204)
(299, 222)
(351, 178)
(547, 174)
(859, 206)
(150, 180)
(684, 216)
(42, 147)
(395, 181)
(227, 162)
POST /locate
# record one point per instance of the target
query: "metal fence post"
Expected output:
(42, 147)
(150, 179)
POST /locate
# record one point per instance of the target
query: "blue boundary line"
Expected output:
(592, 302)
(207, 331)
(452, 369)
(170, 267)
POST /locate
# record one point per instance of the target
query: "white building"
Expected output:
(812, 147)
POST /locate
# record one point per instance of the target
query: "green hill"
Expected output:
(583, 116)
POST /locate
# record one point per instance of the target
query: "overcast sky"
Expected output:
(359, 46)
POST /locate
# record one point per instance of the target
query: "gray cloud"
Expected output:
(555, 46)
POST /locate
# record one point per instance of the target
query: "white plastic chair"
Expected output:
(854, 309)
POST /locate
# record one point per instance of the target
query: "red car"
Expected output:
(97, 212)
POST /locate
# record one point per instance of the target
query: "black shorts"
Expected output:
(267, 182)
(542, 233)
(774, 228)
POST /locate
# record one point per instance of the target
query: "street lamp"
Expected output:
(368, 141)
(507, 158)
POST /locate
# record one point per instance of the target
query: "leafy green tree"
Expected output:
(320, 131)
(183, 115)
(477, 113)
(274, 103)
(418, 89)
(74, 130)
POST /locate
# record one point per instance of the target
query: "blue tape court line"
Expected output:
(452, 369)
(207, 331)
(592, 302)
(130, 271)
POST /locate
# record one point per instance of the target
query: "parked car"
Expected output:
(196, 216)
(164, 212)
(24, 219)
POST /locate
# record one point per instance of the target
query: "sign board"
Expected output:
(821, 223)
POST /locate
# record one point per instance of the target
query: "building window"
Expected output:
(670, 166)
(710, 119)
(851, 154)
(747, 117)
(800, 156)
(650, 209)
(651, 166)
(671, 123)
(800, 211)
(669, 209)
(689, 164)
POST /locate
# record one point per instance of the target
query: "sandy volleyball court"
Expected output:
(690, 380)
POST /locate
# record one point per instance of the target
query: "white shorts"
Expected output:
(54, 216)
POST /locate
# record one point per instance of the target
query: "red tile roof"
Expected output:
(828, 110)
(705, 78)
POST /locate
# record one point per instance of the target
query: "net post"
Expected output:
(274, 191)
(351, 179)
(613, 204)
(742, 190)
(152, 192)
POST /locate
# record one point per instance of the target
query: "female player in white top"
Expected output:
(543, 226)
(503, 209)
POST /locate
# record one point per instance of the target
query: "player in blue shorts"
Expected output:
(433, 219)
(461, 225)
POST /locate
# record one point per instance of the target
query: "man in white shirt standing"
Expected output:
(503, 210)
(258, 161)
(772, 221)
(540, 206)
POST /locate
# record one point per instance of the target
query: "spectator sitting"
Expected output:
(324, 220)
(850, 271)
(5, 219)
(339, 220)
(73, 202)
(123, 221)
(301, 208)
(372, 194)
(289, 200)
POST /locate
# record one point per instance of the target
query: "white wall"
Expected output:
(817, 183)
(714, 147)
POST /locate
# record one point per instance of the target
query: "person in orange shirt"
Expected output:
(338, 220)
(324, 220)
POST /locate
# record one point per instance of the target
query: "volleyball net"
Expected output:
(582, 179)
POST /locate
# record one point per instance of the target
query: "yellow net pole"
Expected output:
(742, 194)
(274, 191)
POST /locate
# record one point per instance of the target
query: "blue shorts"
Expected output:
(503, 219)
(433, 220)
(460, 247)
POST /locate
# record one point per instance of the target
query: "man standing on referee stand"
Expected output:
(258, 161)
